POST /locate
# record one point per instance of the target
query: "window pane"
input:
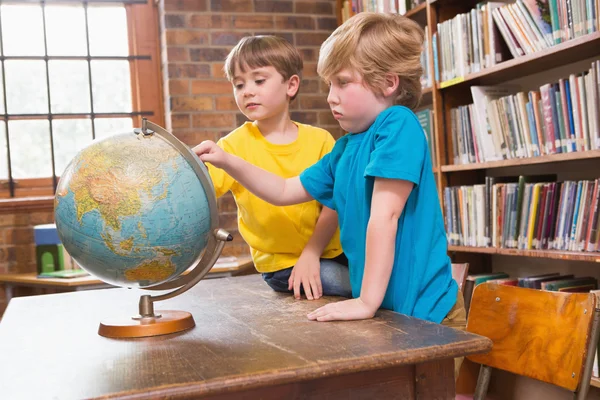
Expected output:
(65, 30)
(22, 30)
(26, 91)
(70, 136)
(1, 91)
(111, 85)
(105, 41)
(69, 86)
(30, 149)
(111, 126)
(3, 152)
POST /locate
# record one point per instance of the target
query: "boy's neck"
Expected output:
(278, 129)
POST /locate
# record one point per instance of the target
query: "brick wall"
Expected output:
(17, 250)
(196, 36)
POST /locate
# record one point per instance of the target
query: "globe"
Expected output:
(132, 210)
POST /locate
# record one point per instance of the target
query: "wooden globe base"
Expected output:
(127, 327)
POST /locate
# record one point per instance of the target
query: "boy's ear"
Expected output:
(392, 81)
(293, 85)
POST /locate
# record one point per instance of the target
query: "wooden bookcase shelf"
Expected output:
(595, 382)
(554, 158)
(567, 52)
(554, 254)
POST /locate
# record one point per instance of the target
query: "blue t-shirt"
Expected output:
(394, 147)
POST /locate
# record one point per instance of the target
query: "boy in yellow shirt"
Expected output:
(296, 248)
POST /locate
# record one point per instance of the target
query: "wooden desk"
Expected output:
(240, 266)
(249, 342)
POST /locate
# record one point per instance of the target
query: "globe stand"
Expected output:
(149, 323)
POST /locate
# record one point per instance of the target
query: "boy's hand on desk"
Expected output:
(208, 151)
(343, 311)
(306, 272)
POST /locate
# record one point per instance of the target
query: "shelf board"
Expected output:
(553, 158)
(415, 11)
(595, 382)
(567, 52)
(554, 254)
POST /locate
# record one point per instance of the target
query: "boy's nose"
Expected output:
(332, 98)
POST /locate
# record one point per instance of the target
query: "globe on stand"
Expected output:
(138, 210)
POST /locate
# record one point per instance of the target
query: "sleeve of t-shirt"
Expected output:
(318, 181)
(399, 151)
(221, 180)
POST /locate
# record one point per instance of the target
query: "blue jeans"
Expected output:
(335, 279)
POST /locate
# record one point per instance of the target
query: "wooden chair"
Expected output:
(548, 336)
(460, 273)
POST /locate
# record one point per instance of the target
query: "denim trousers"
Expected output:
(335, 279)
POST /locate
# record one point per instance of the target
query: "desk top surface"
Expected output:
(246, 335)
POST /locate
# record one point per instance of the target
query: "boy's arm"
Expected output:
(307, 271)
(269, 187)
(389, 198)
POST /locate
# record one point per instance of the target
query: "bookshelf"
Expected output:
(448, 94)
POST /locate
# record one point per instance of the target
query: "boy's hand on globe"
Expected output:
(343, 311)
(307, 272)
(208, 151)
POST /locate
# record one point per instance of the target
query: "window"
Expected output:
(69, 73)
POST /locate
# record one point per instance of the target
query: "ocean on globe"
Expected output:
(131, 210)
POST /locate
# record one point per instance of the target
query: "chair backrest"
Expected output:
(460, 273)
(549, 336)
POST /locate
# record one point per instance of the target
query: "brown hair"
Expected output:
(264, 51)
(374, 45)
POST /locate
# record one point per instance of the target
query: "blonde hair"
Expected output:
(375, 44)
(264, 51)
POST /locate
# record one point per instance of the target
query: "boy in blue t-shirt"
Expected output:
(378, 177)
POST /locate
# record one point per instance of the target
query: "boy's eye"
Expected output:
(238, 86)
(342, 82)
(259, 81)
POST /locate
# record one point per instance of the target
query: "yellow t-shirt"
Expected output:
(276, 235)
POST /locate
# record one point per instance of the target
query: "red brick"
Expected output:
(221, 21)
(198, 21)
(314, 7)
(253, 22)
(226, 203)
(326, 118)
(180, 121)
(310, 70)
(25, 254)
(206, 54)
(188, 70)
(213, 120)
(14, 219)
(179, 86)
(323, 86)
(309, 54)
(309, 86)
(226, 38)
(191, 103)
(186, 5)
(310, 39)
(274, 6)
(240, 119)
(287, 22)
(327, 24)
(192, 138)
(7, 254)
(313, 102)
(42, 217)
(20, 236)
(225, 103)
(217, 70)
(177, 54)
(231, 6)
(174, 21)
(228, 221)
(211, 87)
(186, 37)
(305, 117)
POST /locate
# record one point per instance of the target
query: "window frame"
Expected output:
(146, 93)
